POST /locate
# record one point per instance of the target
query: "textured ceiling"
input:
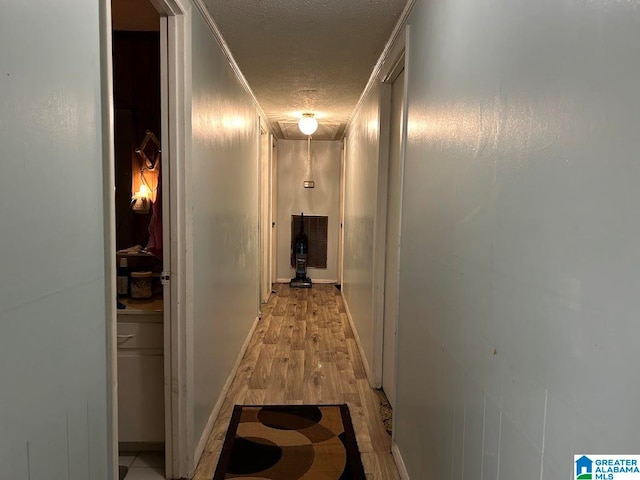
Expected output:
(306, 55)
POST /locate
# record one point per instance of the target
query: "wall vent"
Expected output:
(315, 226)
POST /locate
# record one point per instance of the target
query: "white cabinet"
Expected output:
(140, 377)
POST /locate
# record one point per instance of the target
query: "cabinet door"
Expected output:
(140, 335)
(140, 397)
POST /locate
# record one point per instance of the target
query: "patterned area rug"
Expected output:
(289, 443)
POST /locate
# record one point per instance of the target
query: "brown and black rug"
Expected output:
(290, 442)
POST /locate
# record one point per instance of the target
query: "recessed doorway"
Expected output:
(144, 422)
(150, 340)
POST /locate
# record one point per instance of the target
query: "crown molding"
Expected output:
(202, 8)
(384, 56)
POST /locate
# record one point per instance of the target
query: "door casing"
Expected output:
(174, 28)
(396, 61)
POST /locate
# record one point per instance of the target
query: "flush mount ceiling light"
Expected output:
(308, 124)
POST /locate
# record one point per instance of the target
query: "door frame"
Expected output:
(175, 60)
(264, 211)
(273, 205)
(398, 53)
(343, 164)
(392, 245)
(109, 212)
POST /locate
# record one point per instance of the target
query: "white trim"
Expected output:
(383, 58)
(395, 54)
(175, 38)
(343, 164)
(270, 213)
(402, 469)
(109, 226)
(258, 231)
(403, 148)
(177, 342)
(274, 208)
(322, 281)
(202, 8)
(170, 7)
(365, 361)
(264, 213)
(166, 169)
(173, 135)
(182, 377)
(380, 235)
(223, 394)
(179, 365)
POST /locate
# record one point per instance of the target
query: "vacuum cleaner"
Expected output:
(300, 250)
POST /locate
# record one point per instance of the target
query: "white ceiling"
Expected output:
(306, 55)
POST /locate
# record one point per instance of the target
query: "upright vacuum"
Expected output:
(300, 250)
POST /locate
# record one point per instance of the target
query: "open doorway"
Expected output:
(140, 243)
(146, 75)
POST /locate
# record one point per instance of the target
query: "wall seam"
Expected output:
(544, 431)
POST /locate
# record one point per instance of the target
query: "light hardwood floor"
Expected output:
(303, 352)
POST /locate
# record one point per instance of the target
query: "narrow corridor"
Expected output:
(303, 352)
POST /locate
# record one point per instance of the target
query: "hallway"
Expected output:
(303, 352)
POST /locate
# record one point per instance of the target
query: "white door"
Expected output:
(392, 260)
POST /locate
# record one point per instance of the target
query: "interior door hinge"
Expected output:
(164, 278)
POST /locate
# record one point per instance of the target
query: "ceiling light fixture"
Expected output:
(308, 124)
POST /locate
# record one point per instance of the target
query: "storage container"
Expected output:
(141, 285)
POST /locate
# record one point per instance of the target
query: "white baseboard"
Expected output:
(313, 280)
(365, 361)
(223, 394)
(402, 470)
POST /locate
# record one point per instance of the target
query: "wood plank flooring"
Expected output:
(303, 352)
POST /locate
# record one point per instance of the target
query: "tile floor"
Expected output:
(143, 465)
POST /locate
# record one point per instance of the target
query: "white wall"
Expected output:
(519, 272)
(224, 196)
(54, 419)
(361, 184)
(293, 198)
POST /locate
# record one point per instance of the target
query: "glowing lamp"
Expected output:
(308, 124)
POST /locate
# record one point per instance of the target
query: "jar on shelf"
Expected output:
(122, 281)
(141, 285)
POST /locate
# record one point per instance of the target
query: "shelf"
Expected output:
(139, 307)
(137, 254)
(135, 251)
